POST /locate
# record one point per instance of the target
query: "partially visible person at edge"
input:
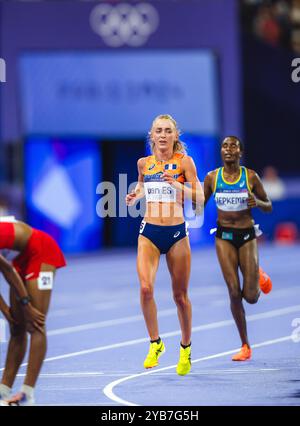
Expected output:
(163, 231)
(273, 184)
(30, 277)
(237, 190)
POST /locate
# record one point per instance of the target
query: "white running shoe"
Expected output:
(4, 395)
(18, 399)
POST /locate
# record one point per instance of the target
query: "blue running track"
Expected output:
(97, 337)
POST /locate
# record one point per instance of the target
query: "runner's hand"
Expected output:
(252, 200)
(173, 182)
(130, 198)
(34, 317)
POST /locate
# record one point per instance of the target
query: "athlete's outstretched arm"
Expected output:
(138, 192)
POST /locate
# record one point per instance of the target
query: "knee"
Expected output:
(17, 330)
(235, 294)
(181, 299)
(33, 331)
(251, 296)
(146, 291)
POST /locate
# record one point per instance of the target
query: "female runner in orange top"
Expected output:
(163, 231)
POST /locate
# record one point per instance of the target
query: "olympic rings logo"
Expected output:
(124, 24)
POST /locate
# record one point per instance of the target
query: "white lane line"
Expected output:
(204, 291)
(93, 350)
(209, 372)
(108, 390)
(164, 313)
(94, 307)
(104, 306)
(106, 323)
(210, 326)
(70, 374)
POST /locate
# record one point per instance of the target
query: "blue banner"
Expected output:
(118, 95)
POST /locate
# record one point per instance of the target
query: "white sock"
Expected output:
(4, 390)
(28, 390)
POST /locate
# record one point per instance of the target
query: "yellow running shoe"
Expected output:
(184, 363)
(155, 351)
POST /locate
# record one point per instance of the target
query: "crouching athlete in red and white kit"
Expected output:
(30, 277)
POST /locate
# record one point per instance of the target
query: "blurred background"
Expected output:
(85, 79)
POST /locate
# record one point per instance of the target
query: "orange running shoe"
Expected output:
(244, 354)
(265, 282)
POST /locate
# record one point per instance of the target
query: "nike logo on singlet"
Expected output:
(29, 275)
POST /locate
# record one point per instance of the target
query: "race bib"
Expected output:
(45, 280)
(160, 191)
(8, 219)
(232, 201)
